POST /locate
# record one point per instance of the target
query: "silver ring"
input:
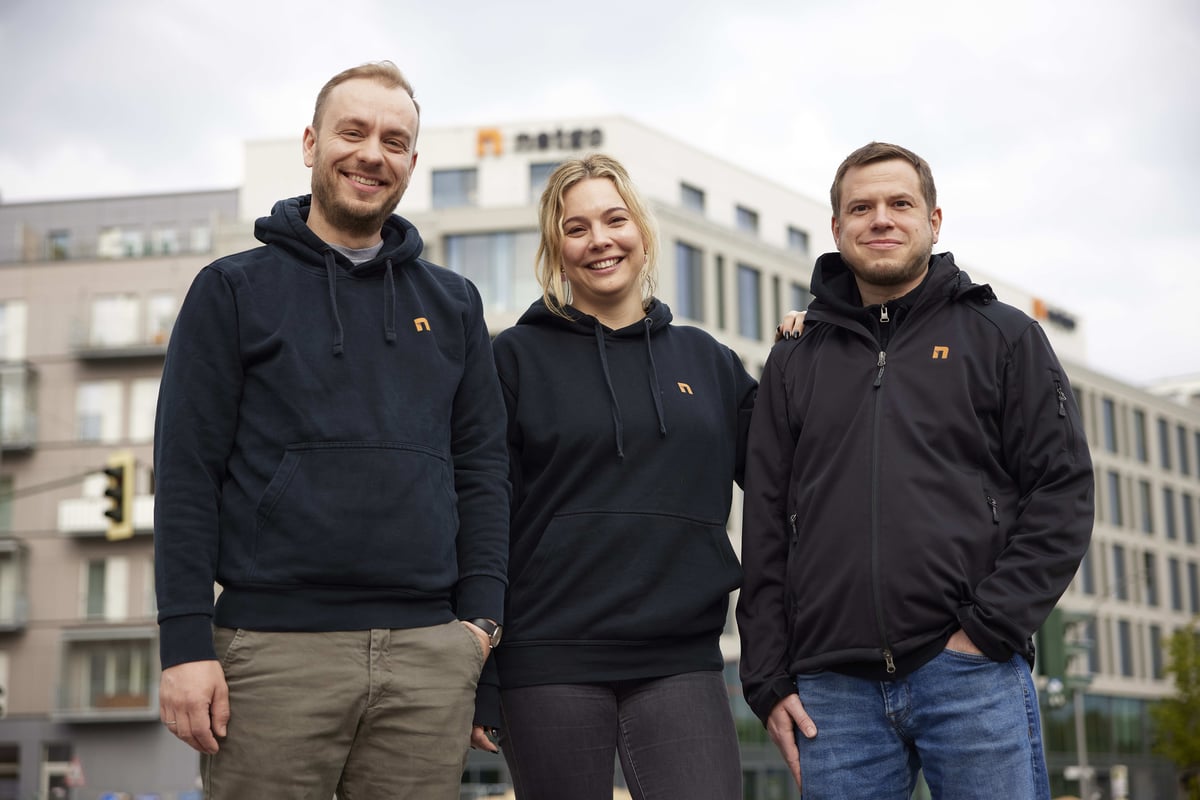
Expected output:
(172, 722)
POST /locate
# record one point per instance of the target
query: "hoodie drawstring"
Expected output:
(655, 392)
(389, 305)
(612, 393)
(331, 272)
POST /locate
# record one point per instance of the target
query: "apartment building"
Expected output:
(88, 292)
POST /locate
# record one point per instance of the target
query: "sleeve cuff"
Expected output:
(480, 596)
(185, 638)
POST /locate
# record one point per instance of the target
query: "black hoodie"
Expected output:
(624, 446)
(329, 445)
(898, 492)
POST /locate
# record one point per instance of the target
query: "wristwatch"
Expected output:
(493, 629)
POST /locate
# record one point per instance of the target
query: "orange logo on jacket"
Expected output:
(684, 388)
(421, 323)
(941, 351)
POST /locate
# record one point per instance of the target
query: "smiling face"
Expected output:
(884, 229)
(362, 152)
(603, 253)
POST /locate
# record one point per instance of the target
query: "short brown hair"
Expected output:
(384, 73)
(882, 151)
(550, 219)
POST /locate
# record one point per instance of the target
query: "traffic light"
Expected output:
(1064, 647)
(120, 495)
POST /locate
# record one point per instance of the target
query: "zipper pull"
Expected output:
(881, 362)
(991, 501)
(883, 315)
(887, 659)
(1062, 399)
(792, 522)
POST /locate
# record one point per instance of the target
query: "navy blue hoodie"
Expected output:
(329, 445)
(624, 448)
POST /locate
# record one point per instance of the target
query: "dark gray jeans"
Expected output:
(674, 735)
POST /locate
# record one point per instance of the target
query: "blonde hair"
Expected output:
(548, 265)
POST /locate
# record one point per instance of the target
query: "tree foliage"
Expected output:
(1177, 718)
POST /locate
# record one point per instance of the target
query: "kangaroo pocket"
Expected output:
(362, 514)
(621, 576)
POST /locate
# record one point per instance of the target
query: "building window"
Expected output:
(454, 188)
(719, 267)
(749, 292)
(107, 675)
(1125, 647)
(161, 309)
(797, 240)
(689, 275)
(200, 239)
(1108, 411)
(500, 266)
(1168, 496)
(746, 220)
(1149, 567)
(58, 245)
(164, 241)
(121, 243)
(1156, 654)
(1189, 519)
(538, 175)
(691, 198)
(1175, 584)
(800, 297)
(1120, 587)
(12, 330)
(106, 588)
(1144, 496)
(1164, 443)
(1140, 450)
(1087, 576)
(98, 411)
(1185, 463)
(1193, 588)
(114, 321)
(1115, 517)
(143, 400)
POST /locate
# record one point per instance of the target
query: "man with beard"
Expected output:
(329, 449)
(918, 496)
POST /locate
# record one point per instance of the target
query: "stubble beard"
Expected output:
(356, 219)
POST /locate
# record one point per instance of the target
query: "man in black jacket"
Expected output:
(918, 496)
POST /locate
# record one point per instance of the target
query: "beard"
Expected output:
(890, 273)
(359, 218)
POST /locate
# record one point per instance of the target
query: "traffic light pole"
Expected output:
(1085, 772)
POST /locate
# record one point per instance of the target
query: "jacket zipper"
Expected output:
(1061, 394)
(991, 501)
(886, 652)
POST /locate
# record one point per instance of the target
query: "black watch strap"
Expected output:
(493, 629)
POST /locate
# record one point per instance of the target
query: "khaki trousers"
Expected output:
(369, 714)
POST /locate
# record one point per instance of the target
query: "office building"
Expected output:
(88, 293)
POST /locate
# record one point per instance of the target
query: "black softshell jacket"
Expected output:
(894, 496)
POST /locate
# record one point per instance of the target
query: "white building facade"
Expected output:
(88, 291)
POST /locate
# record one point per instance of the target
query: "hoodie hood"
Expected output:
(287, 228)
(658, 316)
(835, 290)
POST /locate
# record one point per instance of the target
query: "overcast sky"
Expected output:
(1064, 136)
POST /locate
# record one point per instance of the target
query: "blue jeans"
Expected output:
(970, 723)
(674, 735)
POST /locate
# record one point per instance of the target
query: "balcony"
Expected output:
(88, 347)
(14, 597)
(18, 406)
(109, 674)
(84, 516)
